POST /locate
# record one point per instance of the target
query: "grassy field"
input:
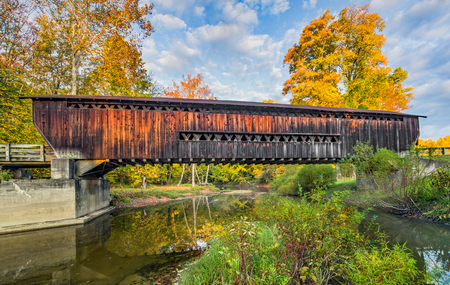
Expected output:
(125, 193)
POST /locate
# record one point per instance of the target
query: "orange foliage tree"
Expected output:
(190, 88)
(339, 63)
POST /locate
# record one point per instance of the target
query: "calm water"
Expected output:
(148, 245)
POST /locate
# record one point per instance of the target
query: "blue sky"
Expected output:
(239, 47)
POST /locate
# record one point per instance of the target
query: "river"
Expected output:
(148, 245)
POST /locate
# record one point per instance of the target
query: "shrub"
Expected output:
(314, 176)
(382, 266)
(247, 253)
(285, 183)
(304, 178)
(441, 179)
(5, 174)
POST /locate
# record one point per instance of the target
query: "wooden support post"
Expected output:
(42, 158)
(8, 152)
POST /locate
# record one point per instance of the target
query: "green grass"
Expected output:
(341, 185)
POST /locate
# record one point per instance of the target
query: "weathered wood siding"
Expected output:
(130, 132)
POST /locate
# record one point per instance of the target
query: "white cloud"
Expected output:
(220, 33)
(239, 13)
(309, 4)
(149, 47)
(178, 6)
(169, 22)
(198, 11)
(279, 6)
(276, 72)
(385, 5)
(251, 43)
(274, 6)
(178, 58)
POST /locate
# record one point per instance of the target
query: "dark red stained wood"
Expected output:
(152, 134)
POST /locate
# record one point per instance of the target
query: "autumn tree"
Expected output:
(338, 63)
(118, 69)
(85, 26)
(190, 88)
(430, 143)
(269, 101)
(16, 41)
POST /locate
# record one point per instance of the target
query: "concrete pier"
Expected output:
(24, 201)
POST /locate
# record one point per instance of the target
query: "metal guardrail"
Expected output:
(25, 153)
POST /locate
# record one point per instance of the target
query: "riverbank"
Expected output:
(421, 211)
(131, 197)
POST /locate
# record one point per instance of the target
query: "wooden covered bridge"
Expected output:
(102, 133)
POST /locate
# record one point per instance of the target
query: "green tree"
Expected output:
(339, 63)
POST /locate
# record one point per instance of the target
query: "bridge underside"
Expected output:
(110, 165)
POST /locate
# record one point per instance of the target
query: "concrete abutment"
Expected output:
(24, 201)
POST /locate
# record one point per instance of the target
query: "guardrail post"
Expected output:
(8, 152)
(42, 152)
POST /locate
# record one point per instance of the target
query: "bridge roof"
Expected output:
(222, 104)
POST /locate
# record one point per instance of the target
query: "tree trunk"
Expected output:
(198, 179)
(170, 176)
(193, 174)
(182, 174)
(74, 74)
(207, 172)
(144, 182)
(187, 224)
(210, 219)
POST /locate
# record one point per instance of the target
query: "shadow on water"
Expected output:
(138, 246)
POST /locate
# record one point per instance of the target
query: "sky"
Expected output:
(239, 47)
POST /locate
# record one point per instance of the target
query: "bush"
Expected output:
(305, 177)
(315, 176)
(5, 174)
(247, 253)
(383, 266)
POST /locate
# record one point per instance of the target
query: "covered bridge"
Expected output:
(102, 133)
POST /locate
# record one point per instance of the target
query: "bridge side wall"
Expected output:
(86, 133)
